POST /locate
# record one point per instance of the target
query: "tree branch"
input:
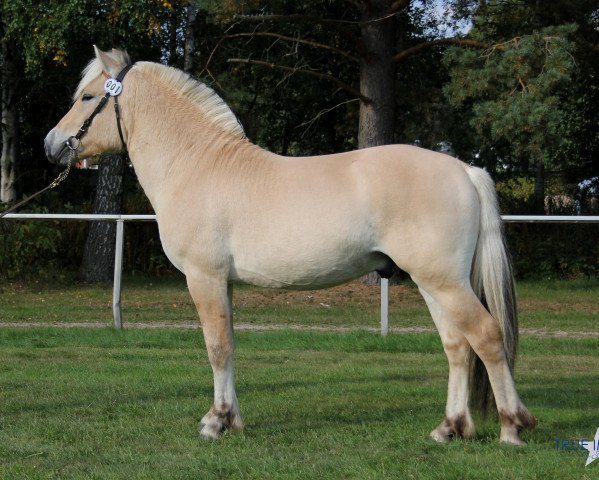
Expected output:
(312, 73)
(461, 42)
(395, 9)
(326, 110)
(342, 26)
(293, 18)
(298, 40)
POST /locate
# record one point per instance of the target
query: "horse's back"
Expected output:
(324, 220)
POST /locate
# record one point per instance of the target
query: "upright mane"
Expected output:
(212, 106)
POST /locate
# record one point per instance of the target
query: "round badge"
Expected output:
(113, 87)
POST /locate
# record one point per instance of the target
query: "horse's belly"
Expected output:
(304, 272)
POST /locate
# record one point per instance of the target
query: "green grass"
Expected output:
(82, 403)
(101, 404)
(571, 306)
(560, 305)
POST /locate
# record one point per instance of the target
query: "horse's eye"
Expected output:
(87, 97)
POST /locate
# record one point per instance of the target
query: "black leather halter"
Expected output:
(113, 88)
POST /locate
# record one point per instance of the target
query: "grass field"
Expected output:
(569, 306)
(95, 403)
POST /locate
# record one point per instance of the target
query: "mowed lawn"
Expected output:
(96, 403)
(545, 306)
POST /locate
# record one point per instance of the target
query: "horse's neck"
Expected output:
(170, 145)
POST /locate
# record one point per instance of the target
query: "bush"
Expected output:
(29, 247)
(552, 251)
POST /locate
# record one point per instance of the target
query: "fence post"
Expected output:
(118, 268)
(384, 306)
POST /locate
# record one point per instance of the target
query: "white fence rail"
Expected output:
(118, 252)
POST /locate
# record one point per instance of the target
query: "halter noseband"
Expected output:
(113, 88)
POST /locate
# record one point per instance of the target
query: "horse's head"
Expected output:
(102, 135)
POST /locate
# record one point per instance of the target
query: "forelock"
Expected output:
(95, 68)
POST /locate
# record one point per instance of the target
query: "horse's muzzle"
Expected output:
(56, 148)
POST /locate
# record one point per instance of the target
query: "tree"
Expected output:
(377, 73)
(513, 91)
(55, 38)
(9, 123)
(530, 94)
(98, 256)
(190, 40)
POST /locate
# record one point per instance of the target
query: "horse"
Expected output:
(231, 212)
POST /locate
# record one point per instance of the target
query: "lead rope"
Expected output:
(53, 184)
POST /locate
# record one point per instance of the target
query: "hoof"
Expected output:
(460, 426)
(512, 438)
(210, 432)
(217, 420)
(513, 423)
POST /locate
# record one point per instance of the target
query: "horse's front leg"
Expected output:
(212, 298)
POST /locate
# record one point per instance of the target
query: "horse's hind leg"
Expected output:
(466, 314)
(212, 298)
(457, 422)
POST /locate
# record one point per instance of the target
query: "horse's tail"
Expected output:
(493, 282)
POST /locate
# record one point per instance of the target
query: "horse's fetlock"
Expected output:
(457, 426)
(512, 423)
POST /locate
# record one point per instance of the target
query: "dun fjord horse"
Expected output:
(230, 212)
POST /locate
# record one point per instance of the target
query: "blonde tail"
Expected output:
(493, 282)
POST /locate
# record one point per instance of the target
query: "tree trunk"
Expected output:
(98, 255)
(9, 126)
(377, 82)
(190, 39)
(377, 76)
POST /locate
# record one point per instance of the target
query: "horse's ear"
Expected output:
(112, 62)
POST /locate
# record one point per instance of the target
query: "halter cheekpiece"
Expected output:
(113, 88)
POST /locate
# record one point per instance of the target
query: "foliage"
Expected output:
(285, 108)
(569, 148)
(53, 249)
(54, 41)
(286, 111)
(29, 247)
(554, 251)
(548, 251)
(54, 33)
(553, 118)
(513, 90)
(576, 156)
